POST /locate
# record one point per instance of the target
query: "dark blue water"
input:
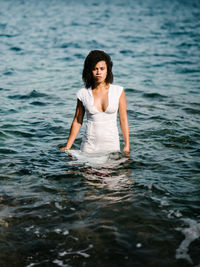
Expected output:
(63, 210)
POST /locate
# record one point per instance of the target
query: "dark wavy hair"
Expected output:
(91, 60)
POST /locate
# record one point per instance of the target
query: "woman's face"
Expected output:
(100, 72)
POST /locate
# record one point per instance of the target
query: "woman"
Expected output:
(101, 100)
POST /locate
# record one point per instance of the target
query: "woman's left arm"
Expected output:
(124, 121)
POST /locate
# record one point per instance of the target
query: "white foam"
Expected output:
(191, 233)
(79, 252)
(62, 254)
(30, 265)
(138, 245)
(174, 213)
(59, 262)
(66, 232)
(58, 206)
(88, 159)
(85, 255)
(164, 202)
(58, 231)
(110, 160)
(37, 232)
(27, 229)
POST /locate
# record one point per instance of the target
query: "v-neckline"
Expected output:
(108, 100)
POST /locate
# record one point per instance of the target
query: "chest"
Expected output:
(106, 103)
(100, 100)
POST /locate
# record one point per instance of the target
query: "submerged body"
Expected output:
(101, 133)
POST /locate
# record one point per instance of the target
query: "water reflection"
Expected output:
(108, 172)
(98, 160)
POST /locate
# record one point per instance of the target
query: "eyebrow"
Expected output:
(99, 67)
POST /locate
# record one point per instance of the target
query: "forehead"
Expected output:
(101, 63)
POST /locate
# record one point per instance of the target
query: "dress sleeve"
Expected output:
(120, 91)
(80, 95)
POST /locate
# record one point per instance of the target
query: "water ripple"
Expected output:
(32, 94)
(72, 210)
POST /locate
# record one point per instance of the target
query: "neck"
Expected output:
(101, 86)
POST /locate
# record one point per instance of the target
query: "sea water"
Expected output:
(70, 209)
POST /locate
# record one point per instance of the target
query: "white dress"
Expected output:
(101, 133)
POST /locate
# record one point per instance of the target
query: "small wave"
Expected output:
(20, 133)
(8, 71)
(76, 24)
(191, 233)
(3, 135)
(185, 45)
(38, 103)
(132, 90)
(126, 52)
(8, 35)
(32, 94)
(70, 44)
(156, 96)
(192, 111)
(7, 126)
(3, 25)
(65, 59)
(4, 89)
(69, 174)
(79, 56)
(7, 151)
(186, 70)
(16, 49)
(179, 141)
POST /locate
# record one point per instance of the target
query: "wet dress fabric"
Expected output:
(101, 133)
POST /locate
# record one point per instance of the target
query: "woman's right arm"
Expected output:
(76, 125)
